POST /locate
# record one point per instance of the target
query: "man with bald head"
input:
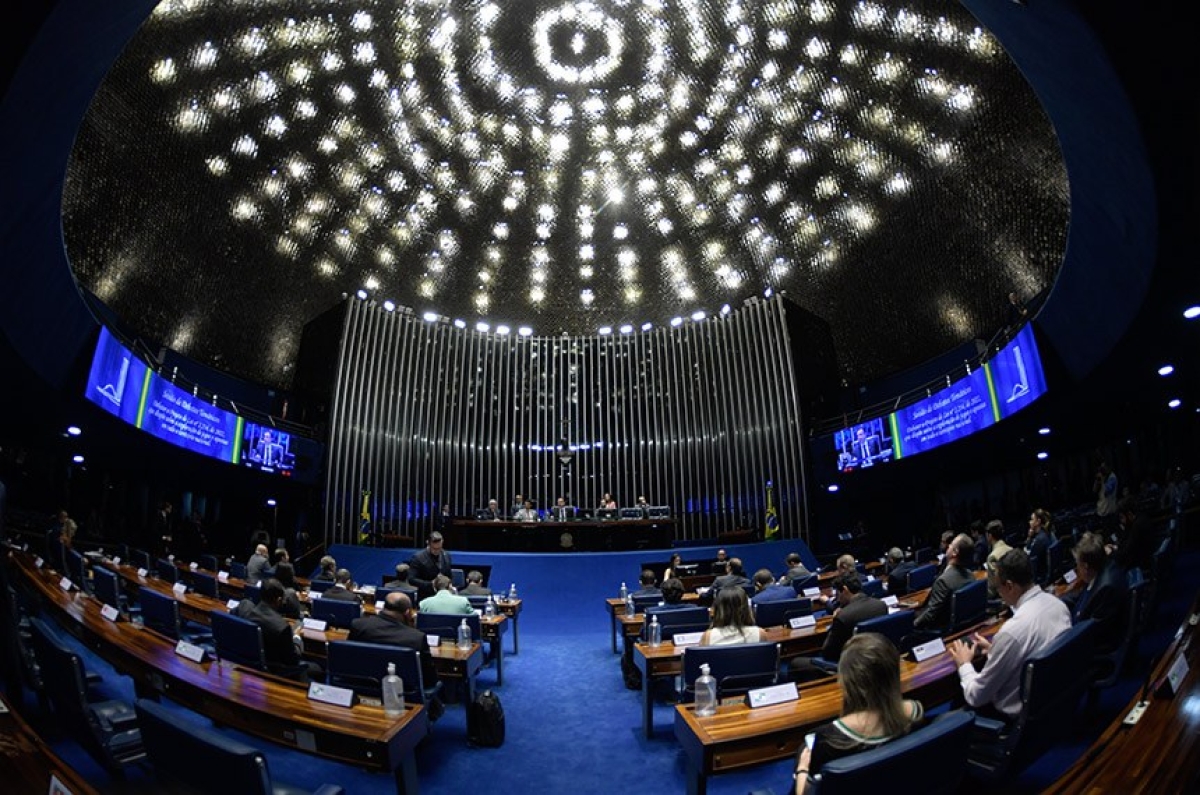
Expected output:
(960, 557)
(393, 626)
(256, 567)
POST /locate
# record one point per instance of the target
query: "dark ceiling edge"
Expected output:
(1105, 274)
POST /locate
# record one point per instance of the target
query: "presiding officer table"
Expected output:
(257, 703)
(585, 535)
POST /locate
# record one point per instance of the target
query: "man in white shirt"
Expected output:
(1038, 618)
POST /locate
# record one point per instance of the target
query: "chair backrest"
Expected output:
(62, 674)
(874, 588)
(205, 584)
(1056, 559)
(107, 587)
(76, 569)
(921, 577)
(941, 746)
(381, 594)
(924, 555)
(166, 570)
(362, 666)
(238, 640)
(811, 581)
(320, 586)
(159, 611)
(640, 603)
(445, 625)
(139, 558)
(775, 614)
(685, 619)
(737, 668)
(458, 578)
(478, 602)
(237, 570)
(190, 755)
(208, 563)
(968, 605)
(336, 612)
(894, 626)
(251, 593)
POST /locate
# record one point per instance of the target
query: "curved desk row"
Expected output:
(259, 704)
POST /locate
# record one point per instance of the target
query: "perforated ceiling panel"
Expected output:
(563, 166)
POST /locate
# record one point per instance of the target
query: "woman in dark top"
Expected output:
(873, 710)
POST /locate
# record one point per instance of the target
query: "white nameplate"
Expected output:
(1070, 576)
(329, 694)
(926, 650)
(802, 622)
(686, 638)
(142, 573)
(179, 588)
(171, 558)
(314, 594)
(109, 612)
(1179, 669)
(222, 576)
(193, 566)
(941, 557)
(315, 624)
(38, 562)
(65, 583)
(232, 604)
(116, 561)
(434, 640)
(812, 593)
(776, 694)
(367, 589)
(894, 609)
(870, 578)
(379, 607)
(189, 651)
(891, 601)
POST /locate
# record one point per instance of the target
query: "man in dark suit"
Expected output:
(796, 570)
(393, 626)
(475, 586)
(736, 578)
(280, 644)
(765, 589)
(343, 588)
(426, 565)
(856, 607)
(1100, 593)
(934, 617)
(898, 569)
(256, 566)
(648, 585)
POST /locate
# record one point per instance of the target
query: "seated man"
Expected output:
(393, 626)
(765, 589)
(796, 570)
(1000, 547)
(475, 586)
(736, 578)
(845, 564)
(934, 616)
(343, 588)
(1038, 618)
(256, 567)
(672, 597)
(444, 600)
(898, 569)
(649, 585)
(856, 607)
(328, 572)
(1101, 592)
(720, 564)
(401, 580)
(281, 645)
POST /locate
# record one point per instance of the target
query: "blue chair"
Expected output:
(335, 612)
(738, 668)
(776, 614)
(478, 602)
(674, 622)
(159, 612)
(924, 555)
(107, 730)
(640, 603)
(77, 570)
(238, 640)
(874, 588)
(191, 758)
(921, 577)
(1057, 560)
(106, 585)
(968, 605)
(445, 625)
(458, 578)
(1053, 682)
(941, 746)
(237, 570)
(320, 586)
(139, 559)
(251, 593)
(381, 594)
(894, 626)
(166, 570)
(362, 666)
(811, 581)
(1108, 667)
(208, 563)
(205, 584)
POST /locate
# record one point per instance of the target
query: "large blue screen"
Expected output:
(1017, 374)
(956, 411)
(174, 415)
(116, 379)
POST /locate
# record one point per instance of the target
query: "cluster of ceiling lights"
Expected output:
(580, 153)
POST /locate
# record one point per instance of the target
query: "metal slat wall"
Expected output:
(699, 417)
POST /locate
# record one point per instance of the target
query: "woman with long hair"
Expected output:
(873, 709)
(732, 621)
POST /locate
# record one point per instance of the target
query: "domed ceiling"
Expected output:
(563, 166)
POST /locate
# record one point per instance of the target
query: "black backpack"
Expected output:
(485, 721)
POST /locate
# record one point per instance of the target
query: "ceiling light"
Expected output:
(832, 488)
(647, 326)
(271, 502)
(482, 327)
(78, 459)
(525, 331)
(73, 430)
(626, 329)
(458, 323)
(1166, 370)
(1192, 312)
(676, 321)
(698, 315)
(1174, 403)
(362, 295)
(502, 330)
(1044, 431)
(1042, 456)
(389, 306)
(605, 330)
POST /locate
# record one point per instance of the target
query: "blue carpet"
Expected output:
(571, 724)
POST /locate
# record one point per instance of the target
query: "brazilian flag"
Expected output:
(772, 514)
(364, 527)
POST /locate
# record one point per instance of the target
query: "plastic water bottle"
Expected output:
(489, 607)
(512, 591)
(655, 631)
(706, 693)
(393, 693)
(464, 635)
(630, 607)
(623, 592)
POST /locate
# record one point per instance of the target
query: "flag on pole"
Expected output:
(772, 514)
(364, 527)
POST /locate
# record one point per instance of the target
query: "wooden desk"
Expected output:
(259, 704)
(615, 607)
(507, 535)
(738, 737)
(1161, 752)
(27, 764)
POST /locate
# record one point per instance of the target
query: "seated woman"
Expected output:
(732, 621)
(672, 567)
(873, 711)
